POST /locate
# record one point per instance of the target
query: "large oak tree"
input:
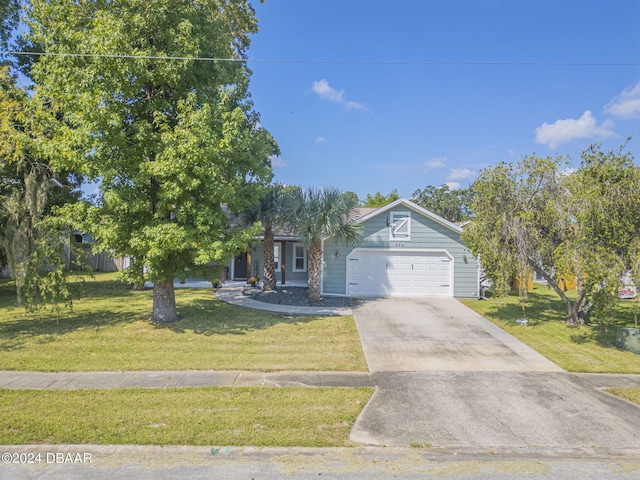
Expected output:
(170, 137)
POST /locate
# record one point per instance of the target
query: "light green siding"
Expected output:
(426, 233)
(257, 264)
(334, 275)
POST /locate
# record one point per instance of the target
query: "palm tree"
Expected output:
(319, 214)
(268, 212)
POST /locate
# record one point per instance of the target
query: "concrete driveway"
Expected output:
(449, 379)
(438, 334)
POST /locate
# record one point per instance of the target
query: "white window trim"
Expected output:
(400, 220)
(294, 269)
(276, 257)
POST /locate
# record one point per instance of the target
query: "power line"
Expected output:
(334, 62)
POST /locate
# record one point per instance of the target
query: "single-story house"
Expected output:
(405, 251)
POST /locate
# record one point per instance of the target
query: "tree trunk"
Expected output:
(164, 302)
(314, 269)
(573, 316)
(577, 310)
(269, 281)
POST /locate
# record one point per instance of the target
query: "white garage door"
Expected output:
(383, 273)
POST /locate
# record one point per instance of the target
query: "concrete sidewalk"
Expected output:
(234, 295)
(171, 379)
(202, 378)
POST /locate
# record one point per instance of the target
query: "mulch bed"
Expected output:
(294, 296)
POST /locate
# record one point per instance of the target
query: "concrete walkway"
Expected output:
(234, 294)
(171, 379)
(16, 380)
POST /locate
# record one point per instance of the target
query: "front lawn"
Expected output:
(259, 416)
(630, 394)
(108, 329)
(585, 349)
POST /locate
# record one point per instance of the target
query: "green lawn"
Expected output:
(260, 416)
(108, 329)
(630, 394)
(585, 349)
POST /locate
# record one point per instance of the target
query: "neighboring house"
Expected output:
(97, 262)
(405, 251)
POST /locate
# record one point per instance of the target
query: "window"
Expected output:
(299, 258)
(276, 256)
(400, 226)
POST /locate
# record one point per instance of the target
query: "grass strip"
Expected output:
(108, 329)
(259, 416)
(590, 348)
(630, 394)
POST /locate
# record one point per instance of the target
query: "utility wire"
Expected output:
(335, 62)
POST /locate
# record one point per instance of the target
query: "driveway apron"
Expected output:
(448, 378)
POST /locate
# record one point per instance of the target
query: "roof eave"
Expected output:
(413, 206)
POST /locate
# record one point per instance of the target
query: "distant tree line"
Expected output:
(452, 205)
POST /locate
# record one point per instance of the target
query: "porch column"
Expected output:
(283, 256)
(249, 264)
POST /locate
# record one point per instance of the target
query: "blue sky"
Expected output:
(368, 127)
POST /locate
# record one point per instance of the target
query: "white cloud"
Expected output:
(324, 91)
(320, 139)
(627, 104)
(327, 92)
(436, 162)
(355, 106)
(563, 131)
(453, 185)
(459, 174)
(277, 161)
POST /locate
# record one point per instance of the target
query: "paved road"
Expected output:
(243, 463)
(448, 378)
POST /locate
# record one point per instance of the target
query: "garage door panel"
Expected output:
(385, 273)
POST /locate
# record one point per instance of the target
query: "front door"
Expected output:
(240, 265)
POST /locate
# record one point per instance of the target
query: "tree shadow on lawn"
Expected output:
(202, 316)
(214, 317)
(544, 306)
(603, 331)
(47, 326)
(539, 308)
